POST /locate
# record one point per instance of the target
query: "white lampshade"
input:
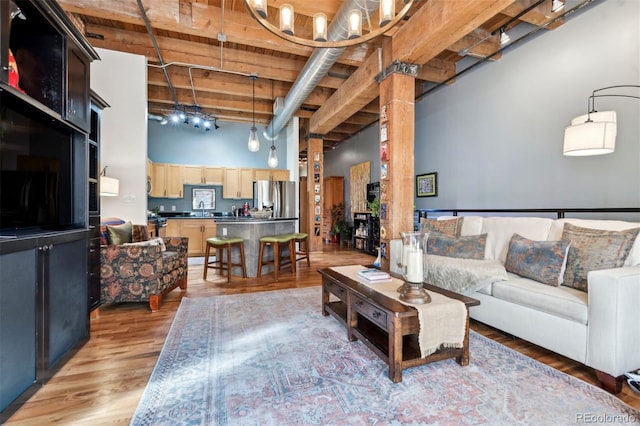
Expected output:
(109, 187)
(320, 27)
(272, 161)
(596, 136)
(254, 142)
(387, 11)
(354, 24)
(261, 7)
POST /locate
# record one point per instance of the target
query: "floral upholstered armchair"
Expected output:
(139, 269)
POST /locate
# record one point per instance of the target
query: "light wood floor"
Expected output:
(104, 381)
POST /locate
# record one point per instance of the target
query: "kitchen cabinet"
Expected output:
(238, 183)
(270, 174)
(166, 180)
(197, 230)
(202, 175)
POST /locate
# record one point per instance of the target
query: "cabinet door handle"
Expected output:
(376, 315)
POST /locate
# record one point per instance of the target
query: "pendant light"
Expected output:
(254, 142)
(272, 161)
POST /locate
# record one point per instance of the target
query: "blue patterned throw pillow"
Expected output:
(542, 261)
(594, 249)
(468, 247)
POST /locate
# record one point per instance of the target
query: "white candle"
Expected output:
(414, 266)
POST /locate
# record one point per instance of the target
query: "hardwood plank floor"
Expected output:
(104, 381)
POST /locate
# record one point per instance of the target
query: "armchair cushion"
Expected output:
(120, 234)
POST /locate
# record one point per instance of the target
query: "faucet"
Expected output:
(201, 206)
(234, 211)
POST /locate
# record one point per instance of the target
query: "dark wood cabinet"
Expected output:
(45, 200)
(366, 232)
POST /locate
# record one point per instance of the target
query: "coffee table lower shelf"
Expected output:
(386, 326)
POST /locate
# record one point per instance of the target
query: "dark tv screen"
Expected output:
(35, 171)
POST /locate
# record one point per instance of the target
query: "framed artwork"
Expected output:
(427, 185)
(383, 171)
(203, 196)
(384, 152)
(316, 198)
(316, 188)
(316, 156)
(383, 132)
(383, 113)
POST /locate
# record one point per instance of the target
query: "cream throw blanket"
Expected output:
(463, 276)
(442, 322)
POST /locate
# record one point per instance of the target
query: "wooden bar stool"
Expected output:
(302, 238)
(222, 245)
(278, 242)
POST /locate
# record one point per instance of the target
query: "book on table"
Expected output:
(372, 274)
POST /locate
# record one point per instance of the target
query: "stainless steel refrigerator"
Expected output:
(278, 194)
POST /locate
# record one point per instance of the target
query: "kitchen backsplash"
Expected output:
(185, 205)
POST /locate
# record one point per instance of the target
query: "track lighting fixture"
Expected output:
(504, 37)
(557, 5)
(197, 118)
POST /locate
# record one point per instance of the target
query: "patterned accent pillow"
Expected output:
(139, 233)
(543, 261)
(594, 249)
(119, 234)
(450, 227)
(468, 247)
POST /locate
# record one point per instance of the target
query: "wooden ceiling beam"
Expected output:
(438, 24)
(204, 55)
(538, 16)
(200, 20)
(350, 98)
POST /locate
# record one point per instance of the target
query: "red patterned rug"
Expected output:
(271, 358)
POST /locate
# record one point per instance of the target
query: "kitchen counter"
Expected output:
(251, 230)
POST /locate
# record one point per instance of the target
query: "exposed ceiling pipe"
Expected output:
(318, 65)
(155, 46)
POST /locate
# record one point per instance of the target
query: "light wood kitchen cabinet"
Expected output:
(173, 228)
(270, 174)
(238, 183)
(202, 175)
(166, 180)
(197, 230)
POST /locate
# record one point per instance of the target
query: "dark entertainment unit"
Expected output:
(45, 197)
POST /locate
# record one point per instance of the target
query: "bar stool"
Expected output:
(278, 242)
(222, 245)
(302, 238)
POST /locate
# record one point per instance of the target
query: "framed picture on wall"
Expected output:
(426, 185)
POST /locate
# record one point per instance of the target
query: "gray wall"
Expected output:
(495, 136)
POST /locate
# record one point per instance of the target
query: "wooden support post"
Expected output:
(314, 155)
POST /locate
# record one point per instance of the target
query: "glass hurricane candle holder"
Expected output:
(412, 267)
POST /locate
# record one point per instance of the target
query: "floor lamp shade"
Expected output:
(591, 134)
(109, 187)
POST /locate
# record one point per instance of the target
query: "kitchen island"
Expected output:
(251, 230)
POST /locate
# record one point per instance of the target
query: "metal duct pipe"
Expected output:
(318, 65)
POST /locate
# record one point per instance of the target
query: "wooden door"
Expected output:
(212, 175)
(158, 180)
(194, 230)
(174, 181)
(192, 175)
(246, 183)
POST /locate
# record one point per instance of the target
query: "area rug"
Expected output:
(271, 358)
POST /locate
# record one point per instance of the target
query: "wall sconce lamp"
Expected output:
(595, 132)
(109, 187)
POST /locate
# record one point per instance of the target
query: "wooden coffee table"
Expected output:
(386, 326)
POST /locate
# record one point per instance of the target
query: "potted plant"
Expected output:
(337, 215)
(374, 207)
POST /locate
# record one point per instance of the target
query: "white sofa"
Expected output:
(599, 328)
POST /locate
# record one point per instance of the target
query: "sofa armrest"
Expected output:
(613, 341)
(130, 273)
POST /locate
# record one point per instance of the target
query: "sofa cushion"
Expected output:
(447, 226)
(561, 301)
(469, 247)
(543, 261)
(500, 229)
(119, 234)
(594, 249)
(633, 258)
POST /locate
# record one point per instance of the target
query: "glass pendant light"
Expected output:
(254, 142)
(273, 157)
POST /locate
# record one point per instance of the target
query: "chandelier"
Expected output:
(353, 23)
